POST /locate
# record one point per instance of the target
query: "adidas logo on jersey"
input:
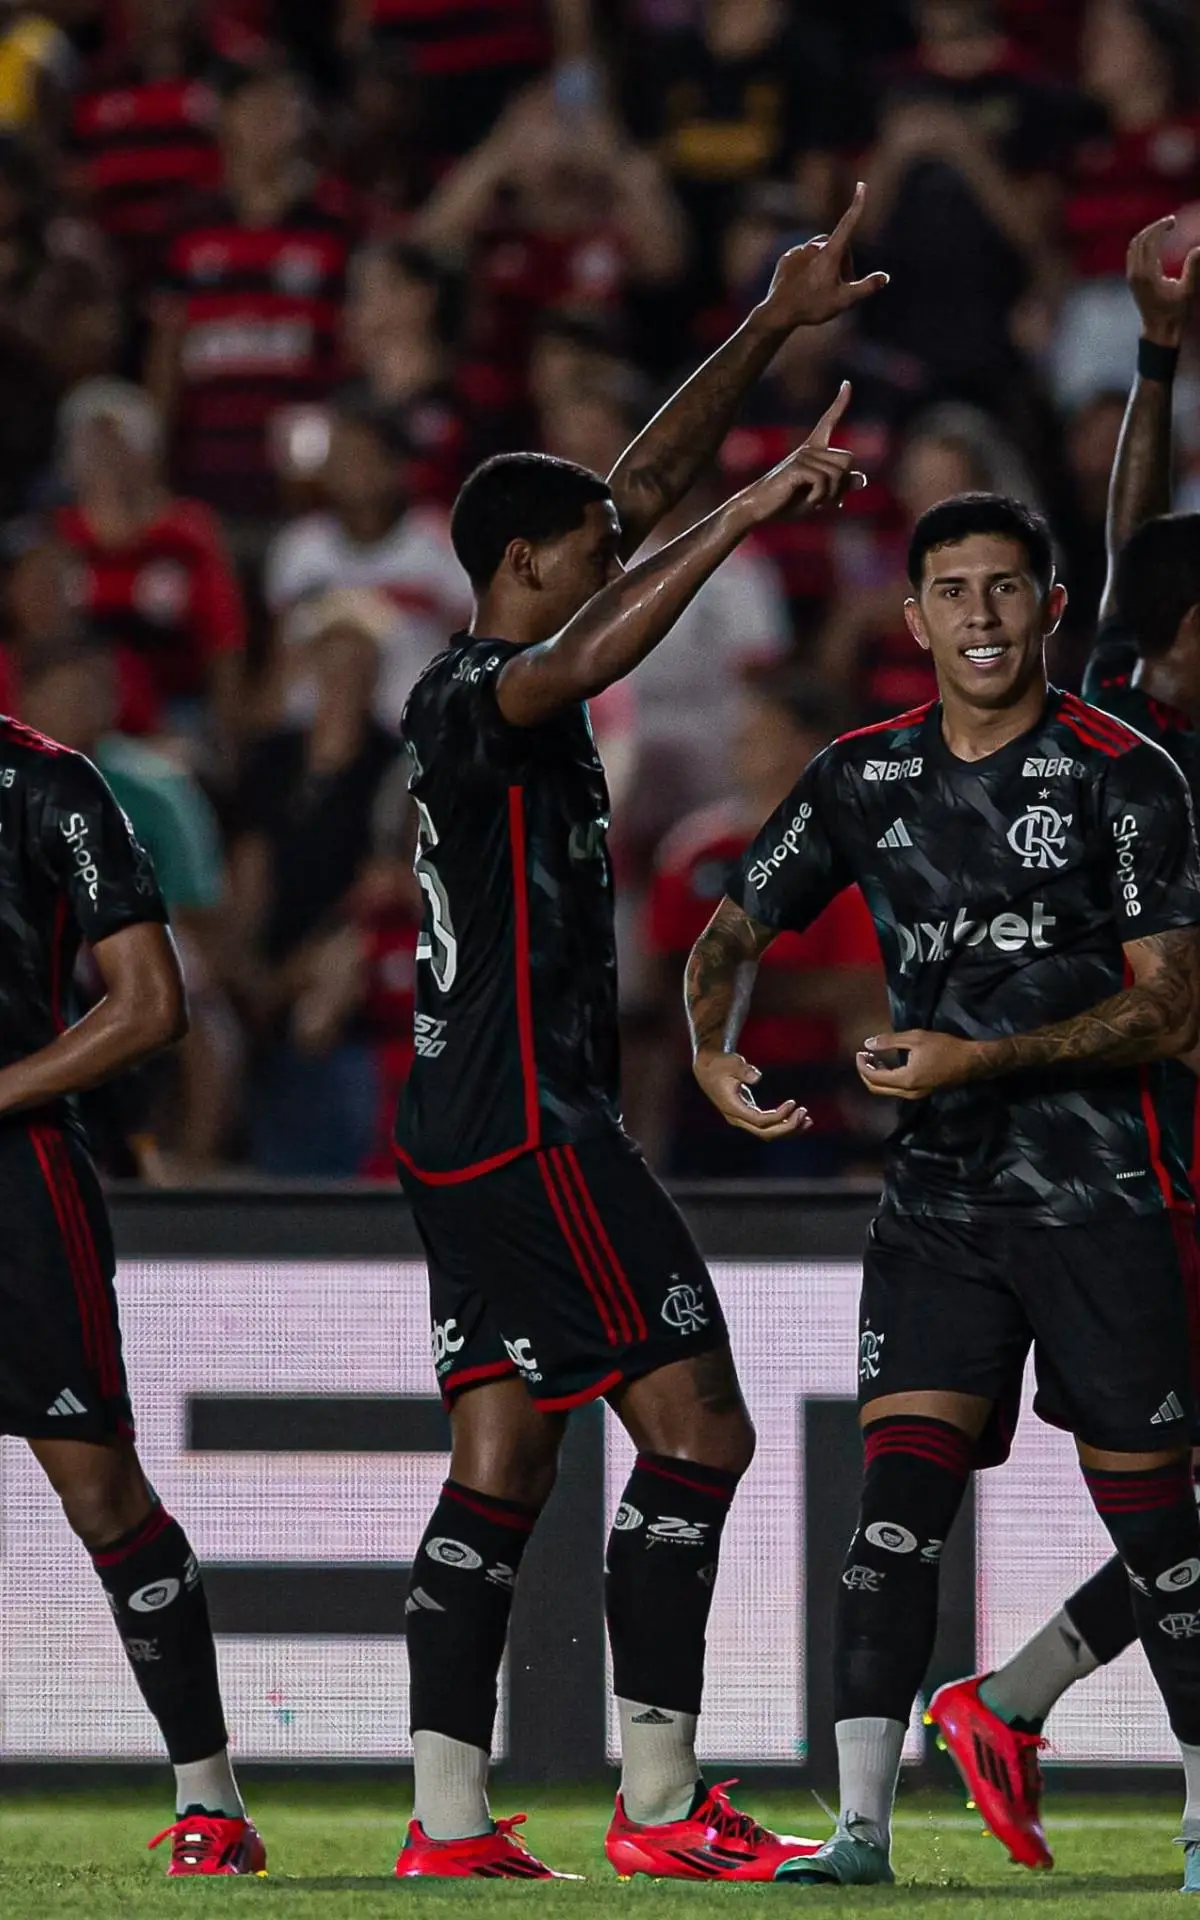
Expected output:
(67, 1403)
(897, 835)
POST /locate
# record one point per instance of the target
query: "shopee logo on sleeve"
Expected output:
(74, 831)
(1125, 833)
(789, 843)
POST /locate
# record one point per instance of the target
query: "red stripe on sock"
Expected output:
(684, 1479)
(601, 1304)
(157, 1521)
(491, 1510)
(618, 1271)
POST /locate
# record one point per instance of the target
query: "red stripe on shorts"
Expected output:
(601, 1304)
(44, 1142)
(618, 1272)
(110, 1366)
(604, 1278)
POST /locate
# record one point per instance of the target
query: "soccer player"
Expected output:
(71, 870)
(1039, 917)
(1145, 670)
(560, 1272)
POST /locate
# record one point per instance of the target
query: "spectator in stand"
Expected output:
(143, 134)
(816, 995)
(37, 71)
(305, 818)
(1141, 161)
(865, 654)
(754, 92)
(247, 318)
(1090, 445)
(25, 213)
(44, 621)
(384, 139)
(401, 319)
(71, 696)
(367, 536)
(554, 209)
(963, 172)
(470, 58)
(73, 313)
(152, 574)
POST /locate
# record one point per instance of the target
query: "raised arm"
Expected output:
(1156, 1017)
(811, 284)
(1141, 477)
(625, 621)
(718, 985)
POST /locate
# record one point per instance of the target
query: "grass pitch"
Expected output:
(332, 1850)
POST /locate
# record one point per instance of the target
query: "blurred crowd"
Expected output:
(274, 274)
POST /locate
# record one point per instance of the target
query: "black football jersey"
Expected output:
(1108, 683)
(1002, 891)
(70, 870)
(516, 996)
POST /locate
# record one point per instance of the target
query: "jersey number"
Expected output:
(437, 943)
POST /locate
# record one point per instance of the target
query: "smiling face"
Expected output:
(985, 619)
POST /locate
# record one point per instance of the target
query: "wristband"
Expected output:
(1156, 362)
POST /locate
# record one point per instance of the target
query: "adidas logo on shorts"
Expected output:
(1171, 1409)
(67, 1403)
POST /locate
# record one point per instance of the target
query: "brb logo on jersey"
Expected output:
(1039, 836)
(893, 769)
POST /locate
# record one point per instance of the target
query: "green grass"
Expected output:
(332, 1850)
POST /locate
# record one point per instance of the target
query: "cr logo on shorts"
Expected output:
(870, 1352)
(1039, 837)
(445, 1340)
(684, 1309)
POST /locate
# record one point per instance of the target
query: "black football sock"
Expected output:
(456, 1620)
(1152, 1519)
(153, 1587)
(915, 1473)
(661, 1567)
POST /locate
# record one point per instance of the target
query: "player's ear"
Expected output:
(915, 624)
(1056, 606)
(520, 557)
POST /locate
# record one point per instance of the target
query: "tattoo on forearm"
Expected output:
(1155, 1016)
(720, 975)
(1141, 477)
(664, 460)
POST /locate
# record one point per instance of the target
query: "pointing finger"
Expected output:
(840, 238)
(819, 437)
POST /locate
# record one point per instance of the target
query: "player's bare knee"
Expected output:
(502, 1446)
(103, 1505)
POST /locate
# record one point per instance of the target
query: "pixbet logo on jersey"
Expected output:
(1008, 933)
(762, 869)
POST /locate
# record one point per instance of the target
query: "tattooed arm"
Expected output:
(720, 977)
(1155, 1018)
(1141, 477)
(811, 284)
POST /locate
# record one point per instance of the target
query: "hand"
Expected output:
(811, 283)
(1164, 301)
(934, 1061)
(815, 476)
(727, 1079)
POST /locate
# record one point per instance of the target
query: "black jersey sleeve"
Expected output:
(1111, 662)
(1155, 866)
(454, 704)
(85, 842)
(793, 868)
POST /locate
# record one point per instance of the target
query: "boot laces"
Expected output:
(730, 1822)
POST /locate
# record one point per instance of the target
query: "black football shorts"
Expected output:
(569, 1267)
(61, 1371)
(1108, 1308)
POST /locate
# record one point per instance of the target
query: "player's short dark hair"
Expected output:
(1157, 579)
(965, 514)
(518, 496)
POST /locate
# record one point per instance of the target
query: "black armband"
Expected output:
(1156, 362)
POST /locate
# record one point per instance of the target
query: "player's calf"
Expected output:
(1151, 1515)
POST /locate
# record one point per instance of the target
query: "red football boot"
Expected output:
(497, 1855)
(211, 1843)
(716, 1842)
(999, 1766)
